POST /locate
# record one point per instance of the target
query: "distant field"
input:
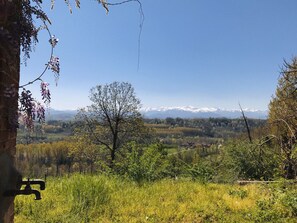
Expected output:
(82, 198)
(207, 130)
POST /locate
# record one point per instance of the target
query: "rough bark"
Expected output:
(9, 82)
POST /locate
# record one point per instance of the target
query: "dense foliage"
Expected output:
(283, 118)
(141, 163)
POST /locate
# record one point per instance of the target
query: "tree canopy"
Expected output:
(283, 116)
(113, 119)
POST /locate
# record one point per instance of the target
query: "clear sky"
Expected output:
(203, 53)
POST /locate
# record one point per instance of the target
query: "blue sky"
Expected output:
(203, 53)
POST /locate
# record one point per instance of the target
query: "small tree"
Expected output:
(60, 152)
(84, 151)
(113, 119)
(283, 117)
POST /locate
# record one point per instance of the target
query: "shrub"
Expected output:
(146, 164)
(238, 193)
(251, 161)
(201, 172)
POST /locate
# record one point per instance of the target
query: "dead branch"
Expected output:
(246, 124)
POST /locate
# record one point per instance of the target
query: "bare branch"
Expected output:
(47, 65)
(246, 124)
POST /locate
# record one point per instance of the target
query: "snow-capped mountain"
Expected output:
(173, 112)
(193, 112)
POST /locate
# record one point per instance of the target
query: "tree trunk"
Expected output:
(80, 165)
(114, 147)
(57, 169)
(69, 168)
(287, 147)
(289, 166)
(92, 167)
(10, 12)
(112, 156)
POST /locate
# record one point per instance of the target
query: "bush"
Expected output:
(201, 172)
(251, 161)
(238, 193)
(281, 204)
(146, 164)
(290, 201)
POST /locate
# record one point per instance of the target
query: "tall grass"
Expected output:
(68, 199)
(81, 198)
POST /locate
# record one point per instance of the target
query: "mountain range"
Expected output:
(193, 112)
(174, 112)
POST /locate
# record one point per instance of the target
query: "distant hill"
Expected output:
(173, 112)
(63, 115)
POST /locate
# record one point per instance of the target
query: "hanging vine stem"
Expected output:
(141, 18)
(50, 58)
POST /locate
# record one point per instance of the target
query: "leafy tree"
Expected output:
(283, 117)
(84, 151)
(170, 121)
(113, 119)
(60, 151)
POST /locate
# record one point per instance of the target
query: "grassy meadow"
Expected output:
(101, 198)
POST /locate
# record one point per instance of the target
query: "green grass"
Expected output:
(82, 198)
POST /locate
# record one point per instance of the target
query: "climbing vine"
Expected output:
(30, 109)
